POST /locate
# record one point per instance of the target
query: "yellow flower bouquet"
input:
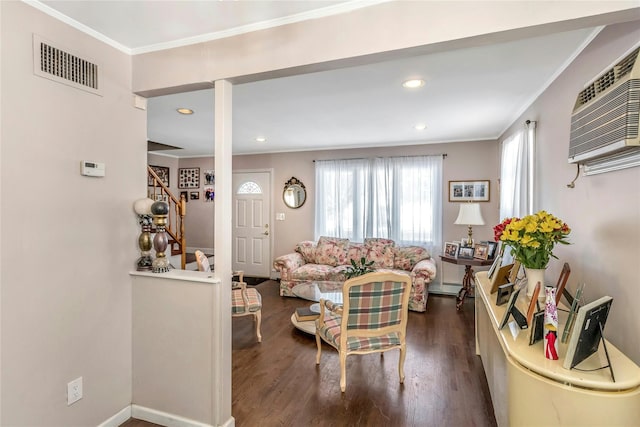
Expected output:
(532, 238)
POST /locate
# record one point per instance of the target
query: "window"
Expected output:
(249, 187)
(399, 198)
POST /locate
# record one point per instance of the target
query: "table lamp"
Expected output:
(469, 215)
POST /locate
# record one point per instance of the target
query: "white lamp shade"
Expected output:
(469, 214)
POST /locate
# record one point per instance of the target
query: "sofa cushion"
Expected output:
(307, 249)
(332, 251)
(320, 273)
(356, 252)
(406, 257)
(380, 251)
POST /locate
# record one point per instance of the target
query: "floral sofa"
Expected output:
(328, 259)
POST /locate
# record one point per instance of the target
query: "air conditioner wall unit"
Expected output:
(606, 116)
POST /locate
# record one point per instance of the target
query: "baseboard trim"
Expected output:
(170, 420)
(118, 419)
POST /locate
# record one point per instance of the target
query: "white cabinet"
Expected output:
(529, 390)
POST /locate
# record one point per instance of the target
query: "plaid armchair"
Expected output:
(372, 319)
(244, 301)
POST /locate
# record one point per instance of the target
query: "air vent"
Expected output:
(62, 66)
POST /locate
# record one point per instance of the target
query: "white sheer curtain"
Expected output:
(398, 198)
(516, 176)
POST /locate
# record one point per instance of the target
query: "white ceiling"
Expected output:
(470, 94)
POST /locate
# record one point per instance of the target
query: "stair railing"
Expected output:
(175, 220)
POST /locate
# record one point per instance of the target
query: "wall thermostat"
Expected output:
(91, 168)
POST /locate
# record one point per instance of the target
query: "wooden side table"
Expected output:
(467, 280)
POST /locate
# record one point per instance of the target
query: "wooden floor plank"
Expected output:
(277, 383)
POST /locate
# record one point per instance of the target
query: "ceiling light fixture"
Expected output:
(261, 139)
(185, 111)
(420, 126)
(413, 83)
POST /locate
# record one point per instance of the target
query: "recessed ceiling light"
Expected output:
(261, 139)
(413, 83)
(185, 111)
(420, 126)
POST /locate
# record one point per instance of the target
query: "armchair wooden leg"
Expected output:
(403, 351)
(319, 344)
(258, 319)
(343, 371)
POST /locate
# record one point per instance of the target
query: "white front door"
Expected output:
(251, 227)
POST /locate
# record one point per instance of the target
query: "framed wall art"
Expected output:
(209, 194)
(469, 191)
(189, 178)
(194, 195)
(209, 177)
(163, 174)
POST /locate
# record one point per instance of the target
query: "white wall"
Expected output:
(67, 241)
(603, 211)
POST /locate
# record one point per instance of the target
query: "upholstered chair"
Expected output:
(244, 301)
(373, 318)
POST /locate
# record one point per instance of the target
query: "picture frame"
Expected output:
(500, 277)
(194, 195)
(504, 292)
(186, 196)
(209, 177)
(451, 249)
(189, 178)
(469, 191)
(537, 327)
(497, 262)
(512, 310)
(587, 331)
(493, 248)
(209, 194)
(465, 252)
(466, 242)
(163, 174)
(481, 251)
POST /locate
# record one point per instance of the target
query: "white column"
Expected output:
(221, 369)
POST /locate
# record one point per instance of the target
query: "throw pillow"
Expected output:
(307, 249)
(406, 257)
(380, 251)
(332, 251)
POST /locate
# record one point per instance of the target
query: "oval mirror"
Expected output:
(294, 194)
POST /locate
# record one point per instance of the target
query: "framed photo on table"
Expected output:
(469, 191)
(451, 249)
(481, 251)
(465, 252)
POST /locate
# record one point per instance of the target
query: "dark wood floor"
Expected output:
(277, 383)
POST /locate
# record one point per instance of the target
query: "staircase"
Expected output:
(175, 220)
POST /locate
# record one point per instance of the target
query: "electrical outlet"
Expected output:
(74, 391)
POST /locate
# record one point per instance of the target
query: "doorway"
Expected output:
(251, 234)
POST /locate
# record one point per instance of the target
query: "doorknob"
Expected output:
(266, 233)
